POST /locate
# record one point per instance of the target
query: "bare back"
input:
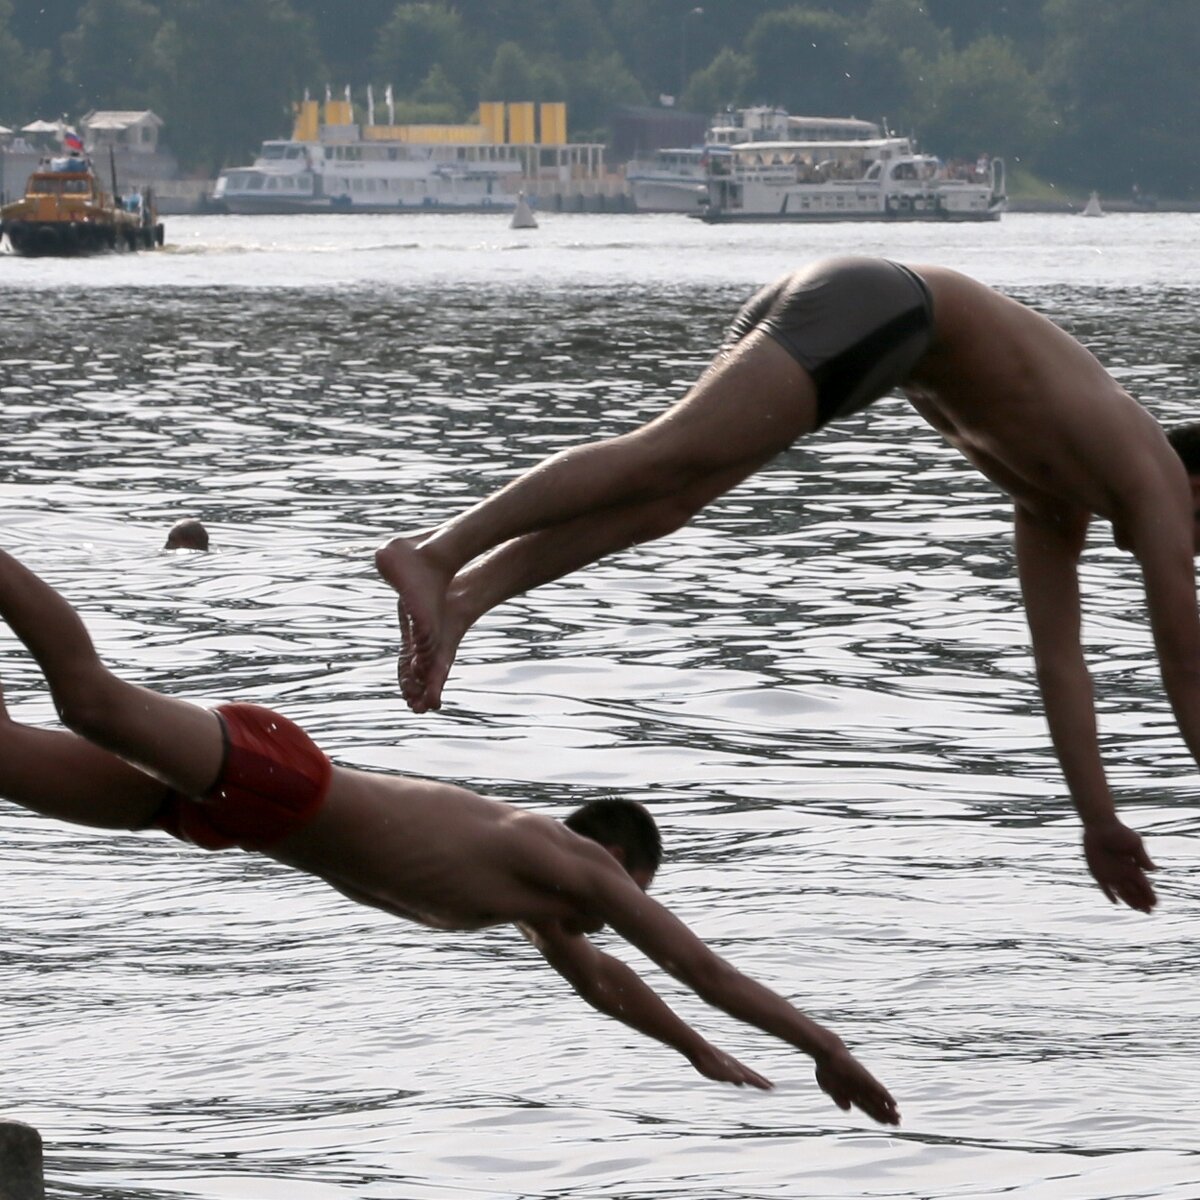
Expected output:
(443, 856)
(1033, 409)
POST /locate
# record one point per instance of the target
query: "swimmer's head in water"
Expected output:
(622, 825)
(187, 534)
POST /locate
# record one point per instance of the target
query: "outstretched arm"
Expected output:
(605, 891)
(1048, 554)
(617, 991)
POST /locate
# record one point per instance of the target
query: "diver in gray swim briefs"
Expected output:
(856, 325)
(1022, 400)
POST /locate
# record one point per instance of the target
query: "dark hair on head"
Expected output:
(624, 823)
(1186, 440)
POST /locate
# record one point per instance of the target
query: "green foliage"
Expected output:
(802, 61)
(727, 80)
(511, 76)
(230, 72)
(1098, 92)
(108, 56)
(419, 37)
(23, 73)
(598, 86)
(981, 100)
(437, 91)
(1124, 74)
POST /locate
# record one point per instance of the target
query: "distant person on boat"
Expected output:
(242, 775)
(1023, 401)
(188, 534)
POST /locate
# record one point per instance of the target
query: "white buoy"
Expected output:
(1092, 208)
(21, 1162)
(523, 217)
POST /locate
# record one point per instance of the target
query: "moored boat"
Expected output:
(874, 179)
(673, 179)
(763, 164)
(66, 211)
(337, 165)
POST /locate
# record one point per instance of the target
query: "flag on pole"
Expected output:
(73, 142)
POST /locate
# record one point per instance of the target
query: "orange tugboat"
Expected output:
(65, 211)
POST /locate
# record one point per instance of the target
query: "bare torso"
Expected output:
(1033, 409)
(439, 855)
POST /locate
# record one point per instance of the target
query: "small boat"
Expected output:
(65, 211)
(1092, 208)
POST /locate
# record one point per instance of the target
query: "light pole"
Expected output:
(683, 46)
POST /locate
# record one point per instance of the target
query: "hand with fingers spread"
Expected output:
(1118, 862)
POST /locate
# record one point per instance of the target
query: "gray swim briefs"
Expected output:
(858, 326)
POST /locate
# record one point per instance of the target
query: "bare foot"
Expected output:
(457, 618)
(421, 586)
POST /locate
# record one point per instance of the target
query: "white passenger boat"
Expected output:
(866, 179)
(375, 177)
(337, 165)
(797, 168)
(671, 180)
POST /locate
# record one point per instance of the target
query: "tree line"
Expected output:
(1091, 93)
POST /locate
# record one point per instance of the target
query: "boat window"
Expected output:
(293, 152)
(270, 150)
(254, 183)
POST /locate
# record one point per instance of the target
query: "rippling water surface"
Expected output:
(822, 688)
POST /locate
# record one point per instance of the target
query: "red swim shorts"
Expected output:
(273, 780)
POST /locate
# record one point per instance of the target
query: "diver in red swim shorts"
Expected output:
(242, 775)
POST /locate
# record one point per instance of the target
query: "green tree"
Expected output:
(727, 80)
(512, 76)
(107, 57)
(437, 91)
(887, 46)
(347, 34)
(802, 61)
(23, 73)
(418, 37)
(230, 72)
(1124, 74)
(595, 89)
(981, 99)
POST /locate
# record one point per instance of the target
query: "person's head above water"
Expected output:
(621, 825)
(187, 534)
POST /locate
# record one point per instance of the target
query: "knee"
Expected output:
(663, 517)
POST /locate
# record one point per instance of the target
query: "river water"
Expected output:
(822, 688)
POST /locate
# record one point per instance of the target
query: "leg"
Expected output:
(60, 775)
(750, 405)
(176, 742)
(536, 558)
